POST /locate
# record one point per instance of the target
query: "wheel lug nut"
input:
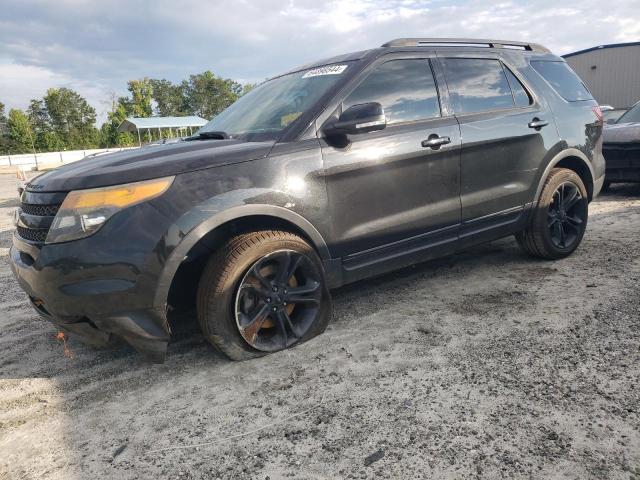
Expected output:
(284, 303)
(275, 288)
(275, 308)
(268, 299)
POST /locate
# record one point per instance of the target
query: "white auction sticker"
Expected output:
(328, 70)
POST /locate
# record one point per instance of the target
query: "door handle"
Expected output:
(537, 124)
(435, 141)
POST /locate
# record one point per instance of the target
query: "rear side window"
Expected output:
(563, 80)
(477, 85)
(520, 95)
(405, 89)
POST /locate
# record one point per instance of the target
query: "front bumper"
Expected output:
(90, 301)
(623, 161)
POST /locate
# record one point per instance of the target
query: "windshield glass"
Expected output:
(274, 105)
(632, 115)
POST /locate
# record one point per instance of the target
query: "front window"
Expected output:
(271, 107)
(405, 89)
(631, 116)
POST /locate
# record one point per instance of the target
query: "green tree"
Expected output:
(19, 132)
(247, 87)
(169, 98)
(207, 94)
(141, 97)
(109, 135)
(3, 120)
(44, 136)
(71, 118)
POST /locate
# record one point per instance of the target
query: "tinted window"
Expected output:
(405, 89)
(632, 115)
(477, 85)
(520, 95)
(563, 80)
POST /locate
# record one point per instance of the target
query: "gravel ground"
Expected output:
(487, 364)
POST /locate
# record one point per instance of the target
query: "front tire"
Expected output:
(262, 292)
(559, 219)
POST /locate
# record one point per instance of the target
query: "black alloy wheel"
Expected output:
(558, 219)
(278, 300)
(566, 215)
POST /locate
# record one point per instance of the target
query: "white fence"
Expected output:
(50, 159)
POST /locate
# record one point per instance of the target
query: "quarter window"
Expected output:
(563, 80)
(477, 85)
(405, 89)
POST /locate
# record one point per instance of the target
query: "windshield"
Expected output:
(274, 105)
(632, 115)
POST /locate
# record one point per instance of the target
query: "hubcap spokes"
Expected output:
(566, 215)
(278, 300)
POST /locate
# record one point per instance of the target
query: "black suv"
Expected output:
(331, 173)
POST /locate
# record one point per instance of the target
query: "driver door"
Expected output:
(388, 194)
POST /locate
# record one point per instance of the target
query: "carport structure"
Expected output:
(181, 125)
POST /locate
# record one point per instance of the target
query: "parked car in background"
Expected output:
(611, 114)
(331, 173)
(621, 148)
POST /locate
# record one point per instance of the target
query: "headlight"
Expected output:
(83, 212)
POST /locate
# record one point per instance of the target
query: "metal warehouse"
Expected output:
(612, 72)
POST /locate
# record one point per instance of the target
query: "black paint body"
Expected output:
(374, 203)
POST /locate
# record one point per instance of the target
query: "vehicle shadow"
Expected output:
(619, 190)
(42, 355)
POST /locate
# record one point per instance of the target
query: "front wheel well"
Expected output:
(181, 298)
(580, 167)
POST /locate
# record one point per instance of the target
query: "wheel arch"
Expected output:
(572, 159)
(216, 229)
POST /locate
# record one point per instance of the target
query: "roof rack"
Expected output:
(465, 42)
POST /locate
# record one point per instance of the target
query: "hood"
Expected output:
(622, 133)
(144, 163)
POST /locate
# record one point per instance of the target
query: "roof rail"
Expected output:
(465, 42)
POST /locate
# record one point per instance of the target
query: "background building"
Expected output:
(612, 72)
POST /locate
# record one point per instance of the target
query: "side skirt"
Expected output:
(424, 247)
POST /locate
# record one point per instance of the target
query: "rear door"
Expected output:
(506, 134)
(388, 194)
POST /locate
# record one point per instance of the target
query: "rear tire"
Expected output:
(282, 317)
(559, 219)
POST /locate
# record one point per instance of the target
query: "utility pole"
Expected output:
(33, 146)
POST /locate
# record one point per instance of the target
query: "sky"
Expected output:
(95, 46)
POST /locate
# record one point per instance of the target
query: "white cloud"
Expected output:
(95, 47)
(21, 83)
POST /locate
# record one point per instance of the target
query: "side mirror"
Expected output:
(362, 118)
(611, 121)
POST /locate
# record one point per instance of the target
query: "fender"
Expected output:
(569, 152)
(212, 222)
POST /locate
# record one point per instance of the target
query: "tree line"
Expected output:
(64, 120)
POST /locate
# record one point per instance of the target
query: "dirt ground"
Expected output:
(487, 364)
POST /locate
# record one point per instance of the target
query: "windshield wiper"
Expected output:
(218, 134)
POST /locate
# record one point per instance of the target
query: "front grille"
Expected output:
(621, 155)
(36, 213)
(40, 210)
(33, 234)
